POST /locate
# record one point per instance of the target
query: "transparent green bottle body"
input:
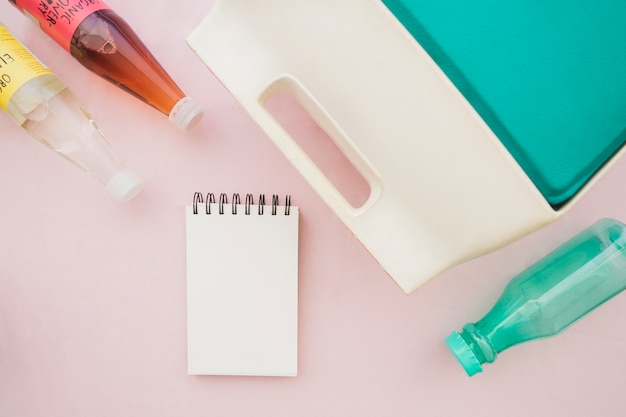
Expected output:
(549, 296)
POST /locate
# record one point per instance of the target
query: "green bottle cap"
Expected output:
(464, 353)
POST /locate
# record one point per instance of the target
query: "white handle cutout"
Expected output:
(333, 156)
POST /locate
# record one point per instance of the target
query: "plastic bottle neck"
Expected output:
(479, 343)
(471, 348)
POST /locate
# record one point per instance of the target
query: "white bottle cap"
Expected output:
(124, 185)
(186, 114)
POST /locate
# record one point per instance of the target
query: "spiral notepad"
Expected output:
(242, 286)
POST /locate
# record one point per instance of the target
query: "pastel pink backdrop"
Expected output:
(92, 293)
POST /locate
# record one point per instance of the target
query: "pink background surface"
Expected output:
(92, 293)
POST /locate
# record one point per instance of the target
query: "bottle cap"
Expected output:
(124, 185)
(186, 114)
(464, 353)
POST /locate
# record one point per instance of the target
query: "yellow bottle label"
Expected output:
(17, 66)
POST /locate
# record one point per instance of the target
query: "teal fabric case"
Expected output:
(548, 77)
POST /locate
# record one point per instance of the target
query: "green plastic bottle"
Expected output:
(549, 296)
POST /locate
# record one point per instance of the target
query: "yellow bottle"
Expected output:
(48, 110)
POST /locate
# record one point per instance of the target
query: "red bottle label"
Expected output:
(60, 18)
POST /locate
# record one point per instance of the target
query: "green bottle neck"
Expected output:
(479, 344)
(471, 348)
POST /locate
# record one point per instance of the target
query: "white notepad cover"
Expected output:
(242, 292)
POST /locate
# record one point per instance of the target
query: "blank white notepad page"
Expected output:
(242, 290)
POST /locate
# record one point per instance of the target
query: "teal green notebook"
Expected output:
(548, 77)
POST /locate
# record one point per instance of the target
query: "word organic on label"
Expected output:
(60, 18)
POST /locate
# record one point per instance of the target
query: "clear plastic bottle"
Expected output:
(106, 45)
(549, 296)
(46, 108)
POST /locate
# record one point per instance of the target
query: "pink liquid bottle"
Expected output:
(106, 45)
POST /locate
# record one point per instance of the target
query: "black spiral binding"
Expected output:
(210, 200)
